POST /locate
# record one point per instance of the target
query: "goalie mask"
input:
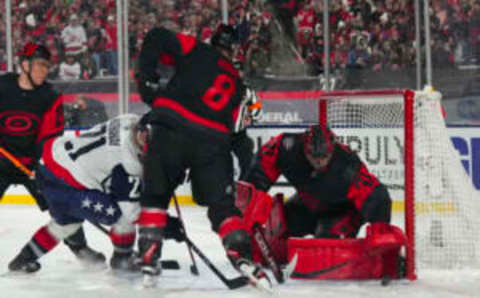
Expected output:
(319, 143)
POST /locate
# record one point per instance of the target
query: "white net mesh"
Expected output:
(446, 203)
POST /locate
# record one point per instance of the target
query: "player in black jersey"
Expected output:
(335, 192)
(30, 113)
(193, 120)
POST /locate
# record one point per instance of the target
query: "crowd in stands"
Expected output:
(374, 35)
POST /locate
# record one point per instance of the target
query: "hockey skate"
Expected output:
(25, 261)
(150, 247)
(77, 243)
(150, 270)
(88, 256)
(256, 275)
(125, 262)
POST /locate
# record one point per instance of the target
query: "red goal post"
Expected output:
(440, 204)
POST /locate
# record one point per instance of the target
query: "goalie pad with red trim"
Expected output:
(374, 257)
(255, 205)
(261, 210)
(275, 232)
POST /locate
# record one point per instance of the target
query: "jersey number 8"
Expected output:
(218, 95)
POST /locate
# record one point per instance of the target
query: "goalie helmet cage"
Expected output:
(402, 137)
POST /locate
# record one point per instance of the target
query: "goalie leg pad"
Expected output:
(341, 259)
(345, 225)
(255, 205)
(276, 233)
(384, 236)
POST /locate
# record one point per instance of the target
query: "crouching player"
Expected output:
(93, 176)
(335, 195)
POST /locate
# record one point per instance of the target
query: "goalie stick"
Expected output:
(281, 275)
(256, 207)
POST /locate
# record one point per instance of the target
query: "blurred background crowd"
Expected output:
(373, 35)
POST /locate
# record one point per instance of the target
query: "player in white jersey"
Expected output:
(95, 176)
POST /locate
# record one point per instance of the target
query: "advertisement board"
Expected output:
(380, 149)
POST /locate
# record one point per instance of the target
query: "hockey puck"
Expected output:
(170, 264)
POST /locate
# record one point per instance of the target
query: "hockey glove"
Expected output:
(174, 230)
(148, 87)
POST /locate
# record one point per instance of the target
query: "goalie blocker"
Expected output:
(376, 256)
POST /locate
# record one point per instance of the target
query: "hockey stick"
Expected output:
(233, 283)
(17, 163)
(280, 275)
(193, 267)
(250, 208)
(41, 202)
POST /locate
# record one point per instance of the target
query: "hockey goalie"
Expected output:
(335, 196)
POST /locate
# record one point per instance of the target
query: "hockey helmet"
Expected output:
(224, 37)
(319, 141)
(33, 50)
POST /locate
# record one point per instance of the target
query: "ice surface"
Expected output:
(63, 277)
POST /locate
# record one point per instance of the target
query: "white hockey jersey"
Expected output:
(91, 156)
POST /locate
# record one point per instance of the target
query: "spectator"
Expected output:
(70, 69)
(111, 53)
(84, 112)
(74, 37)
(257, 59)
(88, 68)
(358, 56)
(97, 41)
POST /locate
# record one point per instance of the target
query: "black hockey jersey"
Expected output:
(28, 117)
(204, 94)
(346, 178)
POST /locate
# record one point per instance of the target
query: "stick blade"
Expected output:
(238, 282)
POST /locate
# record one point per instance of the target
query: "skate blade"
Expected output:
(149, 281)
(93, 266)
(263, 284)
(126, 274)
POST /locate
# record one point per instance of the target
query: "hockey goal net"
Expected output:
(402, 137)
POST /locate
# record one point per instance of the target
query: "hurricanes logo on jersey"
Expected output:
(18, 123)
